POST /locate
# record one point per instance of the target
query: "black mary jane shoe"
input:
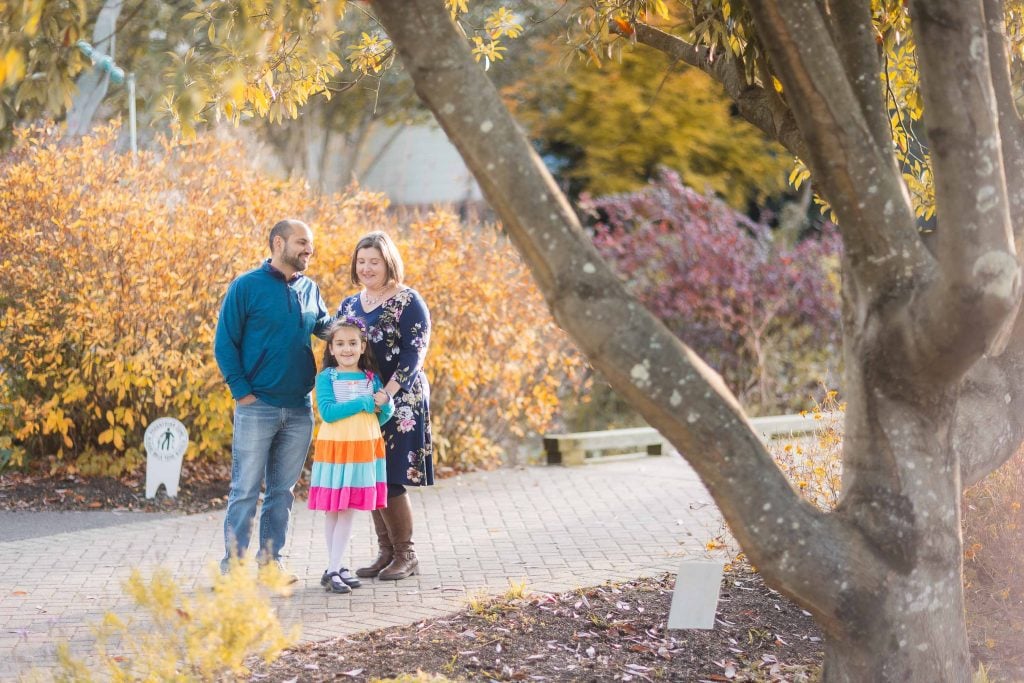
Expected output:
(336, 585)
(349, 578)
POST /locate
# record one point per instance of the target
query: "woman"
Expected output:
(398, 328)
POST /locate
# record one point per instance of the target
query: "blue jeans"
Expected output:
(269, 443)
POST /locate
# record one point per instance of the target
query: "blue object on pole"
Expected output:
(85, 47)
(103, 62)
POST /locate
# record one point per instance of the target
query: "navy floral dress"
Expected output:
(399, 332)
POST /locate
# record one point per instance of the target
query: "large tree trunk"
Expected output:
(882, 574)
(917, 634)
(901, 489)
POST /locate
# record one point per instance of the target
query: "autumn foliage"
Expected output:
(184, 635)
(497, 363)
(765, 315)
(112, 272)
(608, 128)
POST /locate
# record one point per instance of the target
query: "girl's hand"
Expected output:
(380, 398)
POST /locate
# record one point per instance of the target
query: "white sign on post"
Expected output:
(166, 440)
(695, 597)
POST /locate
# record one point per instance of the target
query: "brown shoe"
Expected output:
(398, 517)
(385, 549)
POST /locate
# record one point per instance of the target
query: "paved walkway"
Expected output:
(555, 528)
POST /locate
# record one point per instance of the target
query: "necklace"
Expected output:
(373, 301)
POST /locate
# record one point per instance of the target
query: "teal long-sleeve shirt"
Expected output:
(262, 344)
(332, 410)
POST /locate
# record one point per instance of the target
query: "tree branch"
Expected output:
(756, 104)
(1011, 128)
(878, 232)
(798, 548)
(977, 291)
(989, 425)
(854, 38)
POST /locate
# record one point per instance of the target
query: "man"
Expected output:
(263, 349)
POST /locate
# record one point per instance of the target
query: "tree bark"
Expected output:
(989, 427)
(882, 574)
(804, 550)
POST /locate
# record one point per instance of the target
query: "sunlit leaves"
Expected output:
(799, 174)
(608, 130)
(187, 635)
(456, 7)
(37, 55)
(111, 278)
(209, 60)
(12, 67)
(485, 42)
(725, 28)
(371, 53)
(918, 176)
(502, 23)
(263, 58)
(488, 50)
(813, 462)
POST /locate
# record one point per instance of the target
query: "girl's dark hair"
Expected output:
(367, 363)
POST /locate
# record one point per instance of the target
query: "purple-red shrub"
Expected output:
(763, 314)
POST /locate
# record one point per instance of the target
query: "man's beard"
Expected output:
(295, 261)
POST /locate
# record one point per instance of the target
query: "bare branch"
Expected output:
(878, 232)
(854, 38)
(756, 104)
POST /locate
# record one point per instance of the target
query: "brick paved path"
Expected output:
(556, 528)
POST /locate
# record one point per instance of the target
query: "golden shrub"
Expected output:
(111, 277)
(205, 636)
(497, 361)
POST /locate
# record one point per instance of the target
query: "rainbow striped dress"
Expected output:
(349, 463)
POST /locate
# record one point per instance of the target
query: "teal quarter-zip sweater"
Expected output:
(262, 344)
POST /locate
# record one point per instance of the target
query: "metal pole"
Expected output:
(131, 114)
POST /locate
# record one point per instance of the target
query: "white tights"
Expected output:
(337, 533)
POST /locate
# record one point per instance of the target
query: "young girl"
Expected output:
(349, 466)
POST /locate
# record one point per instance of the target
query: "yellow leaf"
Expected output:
(32, 21)
(12, 67)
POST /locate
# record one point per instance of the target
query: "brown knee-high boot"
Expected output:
(398, 517)
(385, 548)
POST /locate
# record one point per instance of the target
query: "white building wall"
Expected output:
(416, 165)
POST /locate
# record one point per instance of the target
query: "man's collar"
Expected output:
(269, 267)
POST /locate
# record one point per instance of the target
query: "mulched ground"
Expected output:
(615, 632)
(202, 489)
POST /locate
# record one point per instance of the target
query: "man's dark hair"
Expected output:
(282, 229)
